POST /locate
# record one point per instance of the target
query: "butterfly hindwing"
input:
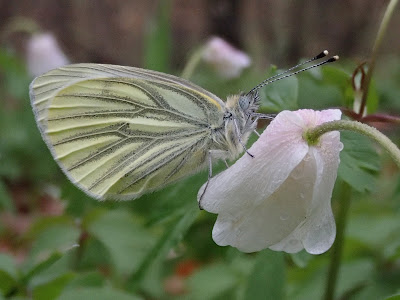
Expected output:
(118, 132)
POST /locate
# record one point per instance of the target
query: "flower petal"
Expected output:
(280, 198)
(322, 230)
(272, 220)
(276, 153)
(318, 233)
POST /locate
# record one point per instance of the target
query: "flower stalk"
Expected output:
(192, 64)
(378, 42)
(312, 135)
(337, 249)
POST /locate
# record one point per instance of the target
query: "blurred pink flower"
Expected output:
(227, 60)
(280, 199)
(44, 54)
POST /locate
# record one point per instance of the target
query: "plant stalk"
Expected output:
(192, 63)
(377, 45)
(337, 250)
(312, 135)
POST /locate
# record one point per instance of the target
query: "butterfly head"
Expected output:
(249, 102)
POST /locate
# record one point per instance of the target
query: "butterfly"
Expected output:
(118, 132)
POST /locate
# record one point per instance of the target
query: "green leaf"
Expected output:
(158, 44)
(54, 269)
(211, 282)
(150, 269)
(127, 242)
(90, 279)
(94, 255)
(58, 237)
(280, 95)
(393, 297)
(325, 87)
(52, 289)
(313, 281)
(8, 273)
(54, 239)
(267, 281)
(377, 233)
(354, 276)
(359, 162)
(104, 293)
(336, 77)
(42, 265)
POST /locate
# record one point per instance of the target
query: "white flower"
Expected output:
(44, 54)
(227, 60)
(280, 199)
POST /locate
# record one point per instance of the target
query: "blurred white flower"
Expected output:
(226, 60)
(280, 199)
(44, 54)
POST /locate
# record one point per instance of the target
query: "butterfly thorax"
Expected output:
(239, 122)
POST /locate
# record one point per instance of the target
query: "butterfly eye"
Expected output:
(244, 102)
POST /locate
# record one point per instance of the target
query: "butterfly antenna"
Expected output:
(282, 74)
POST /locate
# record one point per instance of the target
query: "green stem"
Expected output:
(337, 250)
(312, 135)
(378, 42)
(192, 63)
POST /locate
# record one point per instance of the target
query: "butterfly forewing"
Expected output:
(118, 132)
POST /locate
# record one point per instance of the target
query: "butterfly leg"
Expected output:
(240, 139)
(226, 163)
(258, 116)
(216, 154)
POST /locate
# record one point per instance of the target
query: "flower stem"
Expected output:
(336, 256)
(192, 63)
(312, 135)
(378, 42)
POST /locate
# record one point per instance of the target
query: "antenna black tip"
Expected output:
(321, 55)
(282, 74)
(332, 59)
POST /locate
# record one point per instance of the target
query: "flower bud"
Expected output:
(226, 60)
(44, 54)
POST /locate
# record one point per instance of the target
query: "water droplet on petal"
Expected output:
(284, 217)
(341, 146)
(302, 195)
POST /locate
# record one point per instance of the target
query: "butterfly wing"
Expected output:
(118, 132)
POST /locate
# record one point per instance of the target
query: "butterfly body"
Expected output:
(119, 132)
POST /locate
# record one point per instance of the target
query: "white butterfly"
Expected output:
(119, 132)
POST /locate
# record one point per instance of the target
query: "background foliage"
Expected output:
(57, 243)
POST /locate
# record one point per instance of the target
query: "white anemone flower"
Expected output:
(226, 60)
(280, 199)
(44, 54)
